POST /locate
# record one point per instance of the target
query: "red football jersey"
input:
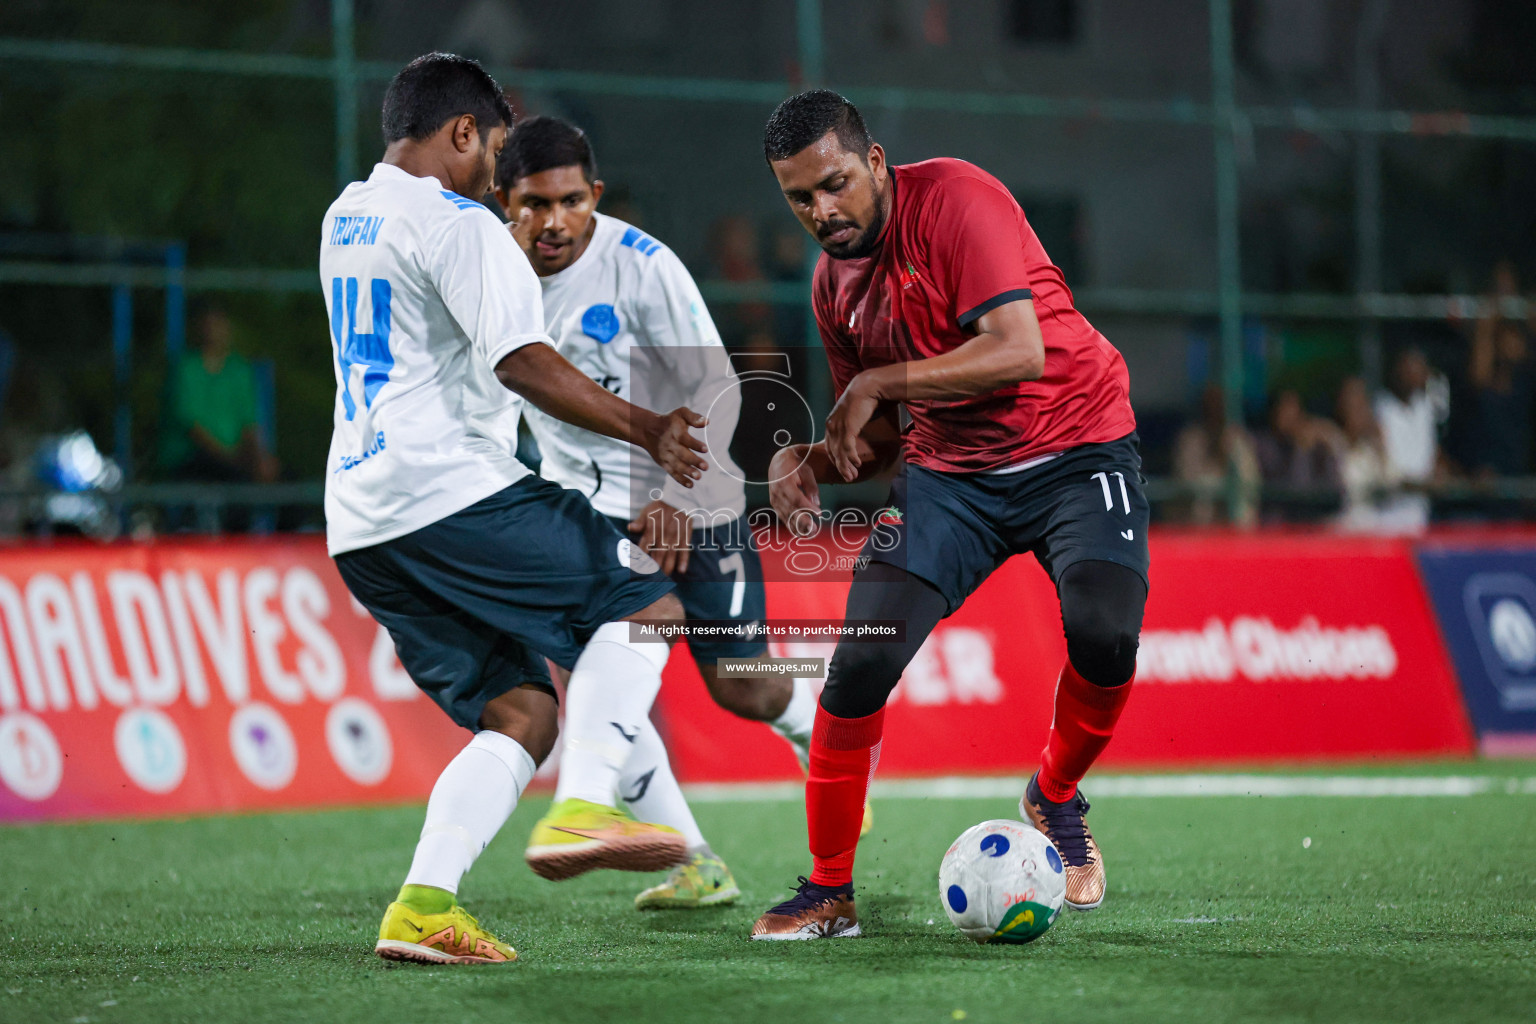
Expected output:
(957, 245)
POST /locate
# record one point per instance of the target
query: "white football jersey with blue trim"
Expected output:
(425, 292)
(628, 314)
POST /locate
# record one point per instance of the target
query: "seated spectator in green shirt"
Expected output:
(211, 431)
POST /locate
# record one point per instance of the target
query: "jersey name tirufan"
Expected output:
(956, 247)
(628, 314)
(426, 292)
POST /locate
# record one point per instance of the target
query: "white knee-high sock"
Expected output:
(470, 802)
(607, 703)
(797, 720)
(649, 788)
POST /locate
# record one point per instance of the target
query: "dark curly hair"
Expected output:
(805, 117)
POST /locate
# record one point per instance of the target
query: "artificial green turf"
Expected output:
(1400, 910)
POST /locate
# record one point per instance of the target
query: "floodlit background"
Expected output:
(1258, 201)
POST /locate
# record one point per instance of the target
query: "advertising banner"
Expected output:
(1254, 649)
(1486, 600)
(182, 677)
(198, 676)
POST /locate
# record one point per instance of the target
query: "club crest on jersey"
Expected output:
(909, 277)
(600, 322)
(889, 516)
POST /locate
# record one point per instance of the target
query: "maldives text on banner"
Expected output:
(183, 677)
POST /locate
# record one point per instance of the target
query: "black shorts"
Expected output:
(953, 529)
(477, 600)
(723, 583)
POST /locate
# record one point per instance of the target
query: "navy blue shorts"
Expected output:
(953, 530)
(723, 583)
(477, 600)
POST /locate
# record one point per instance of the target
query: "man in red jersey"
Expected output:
(935, 295)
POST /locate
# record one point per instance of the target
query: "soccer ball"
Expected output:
(1002, 881)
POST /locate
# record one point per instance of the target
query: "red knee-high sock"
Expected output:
(1084, 721)
(844, 752)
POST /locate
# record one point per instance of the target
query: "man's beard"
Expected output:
(862, 244)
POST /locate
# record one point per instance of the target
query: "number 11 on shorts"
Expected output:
(1109, 501)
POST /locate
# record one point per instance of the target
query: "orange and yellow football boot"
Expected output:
(578, 836)
(452, 937)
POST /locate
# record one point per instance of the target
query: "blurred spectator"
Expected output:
(35, 407)
(1216, 454)
(1298, 452)
(211, 432)
(1501, 381)
(1409, 414)
(619, 201)
(1367, 475)
(787, 264)
(733, 248)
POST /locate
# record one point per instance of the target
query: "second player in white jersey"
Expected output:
(623, 309)
(628, 314)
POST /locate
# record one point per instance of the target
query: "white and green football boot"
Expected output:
(703, 881)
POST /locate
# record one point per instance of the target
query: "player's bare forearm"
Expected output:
(879, 446)
(820, 464)
(549, 381)
(1008, 348)
(797, 471)
(545, 378)
(860, 428)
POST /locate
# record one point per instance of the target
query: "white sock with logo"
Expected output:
(470, 802)
(797, 720)
(650, 790)
(607, 704)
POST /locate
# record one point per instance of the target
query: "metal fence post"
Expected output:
(812, 74)
(175, 303)
(344, 76)
(1228, 268)
(809, 37)
(122, 377)
(1368, 186)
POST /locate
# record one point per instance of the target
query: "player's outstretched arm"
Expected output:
(549, 381)
(796, 471)
(1008, 348)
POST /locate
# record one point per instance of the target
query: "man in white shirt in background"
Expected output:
(622, 308)
(1410, 413)
(479, 569)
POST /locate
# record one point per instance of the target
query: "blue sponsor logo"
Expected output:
(995, 845)
(600, 322)
(353, 461)
(1053, 859)
(957, 900)
(1486, 603)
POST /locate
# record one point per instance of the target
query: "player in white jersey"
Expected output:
(478, 569)
(623, 309)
